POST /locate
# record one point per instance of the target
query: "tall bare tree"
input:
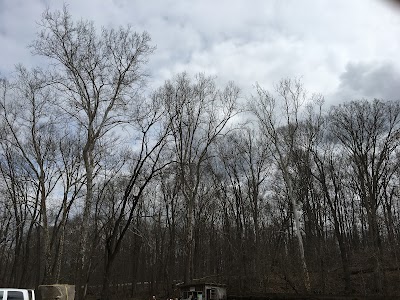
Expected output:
(332, 176)
(99, 77)
(280, 118)
(72, 180)
(143, 165)
(198, 113)
(33, 135)
(370, 134)
(246, 163)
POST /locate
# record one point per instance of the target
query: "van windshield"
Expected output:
(14, 295)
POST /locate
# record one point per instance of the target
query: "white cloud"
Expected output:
(244, 41)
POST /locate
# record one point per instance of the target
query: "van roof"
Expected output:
(14, 289)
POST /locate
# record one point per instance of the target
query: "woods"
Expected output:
(103, 184)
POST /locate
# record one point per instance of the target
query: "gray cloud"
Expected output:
(369, 80)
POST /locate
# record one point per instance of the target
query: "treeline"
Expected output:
(103, 185)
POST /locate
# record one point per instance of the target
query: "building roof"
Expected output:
(196, 283)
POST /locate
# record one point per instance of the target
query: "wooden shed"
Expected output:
(203, 291)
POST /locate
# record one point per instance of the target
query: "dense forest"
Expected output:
(104, 185)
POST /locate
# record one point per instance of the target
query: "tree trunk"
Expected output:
(189, 243)
(345, 262)
(83, 259)
(296, 215)
(375, 242)
(105, 291)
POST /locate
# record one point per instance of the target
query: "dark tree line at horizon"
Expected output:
(103, 185)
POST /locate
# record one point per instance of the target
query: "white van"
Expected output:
(16, 294)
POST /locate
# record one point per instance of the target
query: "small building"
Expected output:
(203, 291)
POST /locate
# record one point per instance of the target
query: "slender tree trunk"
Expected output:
(136, 253)
(296, 216)
(345, 260)
(83, 259)
(105, 292)
(189, 242)
(48, 276)
(60, 250)
(375, 242)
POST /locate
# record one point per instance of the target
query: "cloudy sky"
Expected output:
(342, 49)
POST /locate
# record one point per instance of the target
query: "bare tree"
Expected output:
(33, 135)
(72, 181)
(99, 77)
(332, 177)
(198, 114)
(246, 164)
(144, 165)
(170, 190)
(279, 119)
(369, 132)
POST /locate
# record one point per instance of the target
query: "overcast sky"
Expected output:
(342, 49)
